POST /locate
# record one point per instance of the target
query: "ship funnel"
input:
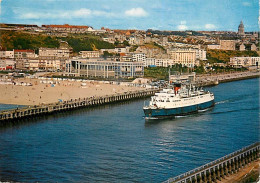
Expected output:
(177, 86)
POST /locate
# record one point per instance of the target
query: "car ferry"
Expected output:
(177, 101)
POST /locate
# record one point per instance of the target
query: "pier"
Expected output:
(38, 110)
(220, 168)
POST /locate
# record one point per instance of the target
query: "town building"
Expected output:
(164, 62)
(186, 57)
(7, 64)
(253, 47)
(227, 45)
(104, 68)
(7, 54)
(242, 47)
(23, 54)
(244, 61)
(28, 64)
(139, 57)
(121, 49)
(213, 46)
(201, 54)
(89, 54)
(68, 28)
(149, 62)
(54, 56)
(126, 57)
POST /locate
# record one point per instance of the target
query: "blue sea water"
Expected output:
(9, 106)
(113, 143)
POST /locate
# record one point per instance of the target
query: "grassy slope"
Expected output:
(21, 40)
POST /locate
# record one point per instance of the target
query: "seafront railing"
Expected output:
(220, 163)
(23, 112)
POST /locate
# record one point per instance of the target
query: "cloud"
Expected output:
(246, 4)
(210, 26)
(182, 27)
(136, 12)
(81, 13)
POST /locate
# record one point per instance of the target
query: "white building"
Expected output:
(7, 54)
(164, 62)
(159, 62)
(244, 61)
(139, 57)
(213, 46)
(201, 54)
(54, 52)
(186, 57)
(7, 64)
(51, 55)
(89, 54)
(149, 61)
(121, 49)
(22, 54)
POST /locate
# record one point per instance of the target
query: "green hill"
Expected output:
(20, 40)
(86, 44)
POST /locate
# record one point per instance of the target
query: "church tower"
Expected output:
(241, 29)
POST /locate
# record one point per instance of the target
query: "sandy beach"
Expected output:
(43, 93)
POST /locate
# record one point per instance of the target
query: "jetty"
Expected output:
(220, 168)
(44, 109)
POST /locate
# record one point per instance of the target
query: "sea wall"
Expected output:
(209, 80)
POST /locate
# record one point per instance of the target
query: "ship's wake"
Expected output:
(237, 110)
(222, 102)
(203, 110)
(237, 98)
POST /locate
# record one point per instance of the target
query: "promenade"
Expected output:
(214, 79)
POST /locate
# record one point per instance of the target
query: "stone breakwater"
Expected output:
(38, 110)
(208, 80)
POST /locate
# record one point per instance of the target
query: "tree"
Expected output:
(116, 43)
(126, 43)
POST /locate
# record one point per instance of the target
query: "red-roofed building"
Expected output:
(20, 54)
(68, 28)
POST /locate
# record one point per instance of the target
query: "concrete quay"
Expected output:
(44, 109)
(216, 170)
(209, 80)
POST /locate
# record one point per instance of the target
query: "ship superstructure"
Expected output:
(179, 100)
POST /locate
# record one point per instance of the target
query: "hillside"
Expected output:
(86, 44)
(20, 40)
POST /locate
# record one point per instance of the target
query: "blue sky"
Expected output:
(135, 14)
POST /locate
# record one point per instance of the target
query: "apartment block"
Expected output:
(89, 54)
(244, 61)
(139, 57)
(186, 57)
(51, 55)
